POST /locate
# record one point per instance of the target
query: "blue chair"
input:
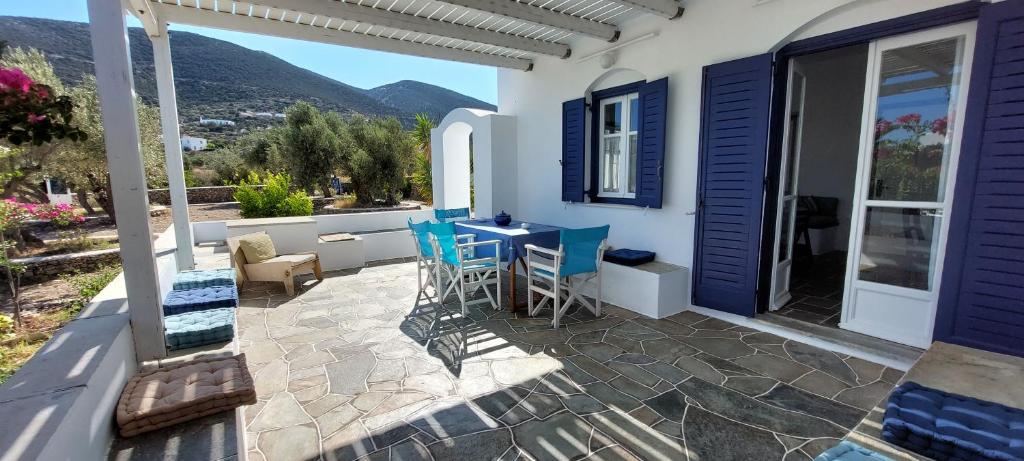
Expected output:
(576, 262)
(464, 271)
(425, 260)
(451, 215)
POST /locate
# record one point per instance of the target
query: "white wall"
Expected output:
(831, 135)
(709, 32)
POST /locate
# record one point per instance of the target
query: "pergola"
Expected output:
(499, 33)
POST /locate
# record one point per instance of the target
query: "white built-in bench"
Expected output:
(655, 289)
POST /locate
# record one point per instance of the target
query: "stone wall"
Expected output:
(210, 194)
(323, 206)
(43, 268)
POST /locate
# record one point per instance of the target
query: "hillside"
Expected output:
(218, 79)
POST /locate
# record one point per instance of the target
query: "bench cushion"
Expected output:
(198, 299)
(183, 392)
(194, 329)
(627, 257)
(188, 280)
(947, 426)
(849, 451)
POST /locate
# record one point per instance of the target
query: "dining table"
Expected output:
(514, 237)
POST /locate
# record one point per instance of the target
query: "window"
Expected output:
(620, 120)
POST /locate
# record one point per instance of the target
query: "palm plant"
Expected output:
(422, 179)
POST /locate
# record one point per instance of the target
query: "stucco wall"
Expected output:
(709, 32)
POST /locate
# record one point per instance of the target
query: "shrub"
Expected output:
(6, 326)
(273, 200)
(89, 284)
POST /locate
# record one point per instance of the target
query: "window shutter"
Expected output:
(651, 143)
(574, 137)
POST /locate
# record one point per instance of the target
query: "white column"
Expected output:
(172, 146)
(112, 59)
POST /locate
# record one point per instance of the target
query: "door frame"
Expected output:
(942, 16)
(946, 188)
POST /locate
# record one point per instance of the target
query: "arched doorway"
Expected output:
(490, 140)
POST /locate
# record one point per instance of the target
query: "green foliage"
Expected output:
(378, 164)
(89, 284)
(229, 165)
(33, 107)
(422, 173)
(6, 326)
(273, 200)
(316, 145)
(262, 150)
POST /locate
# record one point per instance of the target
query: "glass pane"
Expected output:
(796, 101)
(786, 231)
(610, 166)
(612, 118)
(916, 98)
(634, 114)
(631, 185)
(897, 246)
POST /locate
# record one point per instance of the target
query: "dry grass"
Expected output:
(347, 201)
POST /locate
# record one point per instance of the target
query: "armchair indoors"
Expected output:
(576, 261)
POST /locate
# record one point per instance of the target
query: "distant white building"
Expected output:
(191, 143)
(215, 122)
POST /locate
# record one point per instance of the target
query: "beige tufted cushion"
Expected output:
(257, 247)
(171, 395)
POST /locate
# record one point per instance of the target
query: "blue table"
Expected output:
(513, 243)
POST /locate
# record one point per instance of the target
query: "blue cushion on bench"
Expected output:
(627, 257)
(947, 426)
(182, 301)
(189, 280)
(194, 329)
(849, 451)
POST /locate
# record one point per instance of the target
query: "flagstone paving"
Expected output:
(357, 367)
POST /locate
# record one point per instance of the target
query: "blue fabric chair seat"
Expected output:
(199, 299)
(947, 426)
(627, 257)
(849, 451)
(188, 280)
(194, 329)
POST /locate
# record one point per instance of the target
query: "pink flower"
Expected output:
(882, 127)
(909, 119)
(14, 79)
(940, 125)
(33, 118)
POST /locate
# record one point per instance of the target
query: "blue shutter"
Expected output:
(981, 299)
(651, 145)
(733, 148)
(574, 138)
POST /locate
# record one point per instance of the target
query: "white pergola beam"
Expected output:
(537, 15)
(116, 87)
(172, 147)
(669, 9)
(208, 18)
(143, 10)
(365, 14)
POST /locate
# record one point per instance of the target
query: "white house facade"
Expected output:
(192, 143)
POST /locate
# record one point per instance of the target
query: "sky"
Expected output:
(357, 67)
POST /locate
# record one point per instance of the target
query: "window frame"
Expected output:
(624, 93)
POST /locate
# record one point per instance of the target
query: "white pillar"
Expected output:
(112, 59)
(172, 146)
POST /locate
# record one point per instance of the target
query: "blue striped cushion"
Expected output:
(849, 451)
(194, 329)
(199, 299)
(188, 280)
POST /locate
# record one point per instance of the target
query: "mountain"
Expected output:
(418, 97)
(218, 79)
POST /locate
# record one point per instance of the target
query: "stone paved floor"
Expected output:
(342, 373)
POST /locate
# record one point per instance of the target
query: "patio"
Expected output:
(342, 373)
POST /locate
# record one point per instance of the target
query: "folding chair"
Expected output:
(464, 271)
(425, 260)
(451, 215)
(576, 262)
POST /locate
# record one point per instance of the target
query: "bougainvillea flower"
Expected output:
(909, 119)
(940, 125)
(33, 118)
(882, 126)
(14, 79)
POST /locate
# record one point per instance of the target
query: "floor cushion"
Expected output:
(199, 328)
(947, 426)
(183, 392)
(188, 280)
(849, 451)
(198, 299)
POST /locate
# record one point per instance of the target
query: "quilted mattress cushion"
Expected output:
(188, 280)
(947, 426)
(183, 392)
(194, 329)
(627, 257)
(198, 299)
(849, 451)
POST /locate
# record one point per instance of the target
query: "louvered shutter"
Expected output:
(653, 102)
(733, 147)
(574, 137)
(981, 301)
